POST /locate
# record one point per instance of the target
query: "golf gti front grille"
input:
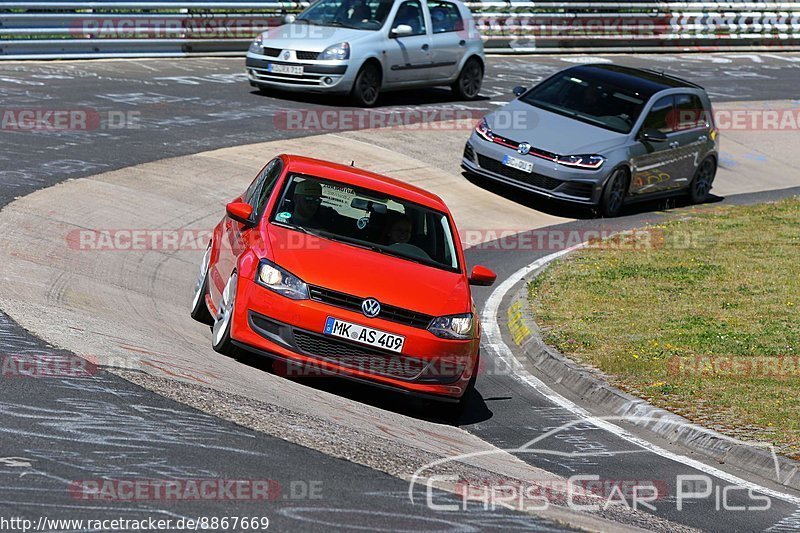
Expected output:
(537, 180)
(533, 151)
(353, 303)
(361, 358)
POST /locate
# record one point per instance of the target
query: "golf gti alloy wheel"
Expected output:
(614, 193)
(703, 180)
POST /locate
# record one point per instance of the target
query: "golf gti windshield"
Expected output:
(356, 14)
(589, 100)
(369, 219)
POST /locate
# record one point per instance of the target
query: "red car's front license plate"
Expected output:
(364, 335)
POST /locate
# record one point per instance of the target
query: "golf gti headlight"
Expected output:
(483, 130)
(256, 45)
(453, 326)
(279, 280)
(337, 51)
(590, 162)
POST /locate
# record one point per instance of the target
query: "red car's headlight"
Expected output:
(276, 279)
(453, 326)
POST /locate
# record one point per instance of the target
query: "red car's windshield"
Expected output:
(366, 218)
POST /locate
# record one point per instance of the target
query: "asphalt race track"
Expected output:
(175, 140)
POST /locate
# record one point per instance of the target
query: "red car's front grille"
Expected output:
(359, 358)
(353, 303)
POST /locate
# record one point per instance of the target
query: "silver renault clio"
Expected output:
(601, 135)
(363, 47)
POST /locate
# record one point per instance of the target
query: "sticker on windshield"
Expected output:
(362, 222)
(283, 215)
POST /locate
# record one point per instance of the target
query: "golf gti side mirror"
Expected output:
(519, 90)
(482, 276)
(240, 212)
(402, 30)
(653, 135)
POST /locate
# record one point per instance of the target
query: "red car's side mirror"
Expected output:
(482, 276)
(240, 212)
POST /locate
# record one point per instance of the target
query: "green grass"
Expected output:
(724, 288)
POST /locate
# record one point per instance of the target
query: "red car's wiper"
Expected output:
(294, 227)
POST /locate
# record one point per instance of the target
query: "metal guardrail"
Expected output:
(75, 29)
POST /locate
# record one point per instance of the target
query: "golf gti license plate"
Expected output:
(285, 69)
(519, 164)
(364, 335)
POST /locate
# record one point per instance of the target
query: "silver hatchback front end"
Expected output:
(547, 178)
(297, 70)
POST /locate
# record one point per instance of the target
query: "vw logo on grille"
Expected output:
(523, 148)
(371, 307)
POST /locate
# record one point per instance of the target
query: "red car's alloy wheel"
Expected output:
(199, 308)
(221, 330)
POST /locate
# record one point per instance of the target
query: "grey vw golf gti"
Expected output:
(601, 135)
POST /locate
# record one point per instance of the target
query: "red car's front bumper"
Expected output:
(291, 330)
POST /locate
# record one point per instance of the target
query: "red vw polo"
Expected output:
(340, 271)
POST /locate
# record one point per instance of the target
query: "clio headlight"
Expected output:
(337, 51)
(257, 44)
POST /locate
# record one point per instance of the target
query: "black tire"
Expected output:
(469, 81)
(200, 310)
(367, 87)
(703, 180)
(614, 193)
(221, 330)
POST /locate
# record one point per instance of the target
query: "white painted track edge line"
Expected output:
(491, 330)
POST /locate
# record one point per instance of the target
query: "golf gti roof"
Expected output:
(644, 81)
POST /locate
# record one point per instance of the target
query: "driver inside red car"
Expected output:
(308, 209)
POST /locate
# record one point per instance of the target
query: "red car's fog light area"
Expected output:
(292, 330)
